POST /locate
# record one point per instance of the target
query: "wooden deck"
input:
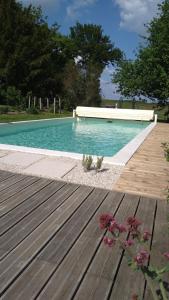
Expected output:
(147, 172)
(51, 245)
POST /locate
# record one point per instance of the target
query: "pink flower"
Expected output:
(133, 226)
(133, 222)
(128, 243)
(121, 228)
(105, 220)
(141, 258)
(113, 226)
(146, 235)
(166, 254)
(109, 242)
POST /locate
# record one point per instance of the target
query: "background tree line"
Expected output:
(148, 74)
(36, 59)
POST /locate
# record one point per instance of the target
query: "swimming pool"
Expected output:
(86, 136)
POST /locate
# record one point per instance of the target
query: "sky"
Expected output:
(122, 20)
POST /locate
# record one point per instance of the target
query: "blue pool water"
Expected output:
(86, 136)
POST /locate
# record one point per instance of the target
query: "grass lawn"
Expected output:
(4, 118)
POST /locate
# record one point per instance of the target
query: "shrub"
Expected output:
(4, 109)
(32, 110)
(87, 162)
(13, 96)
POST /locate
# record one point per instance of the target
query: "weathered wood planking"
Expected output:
(10, 181)
(15, 215)
(49, 259)
(86, 250)
(134, 282)
(23, 254)
(4, 175)
(147, 172)
(51, 246)
(160, 243)
(17, 187)
(18, 232)
(76, 262)
(22, 195)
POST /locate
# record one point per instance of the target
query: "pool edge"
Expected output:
(120, 158)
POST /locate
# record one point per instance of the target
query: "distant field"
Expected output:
(140, 105)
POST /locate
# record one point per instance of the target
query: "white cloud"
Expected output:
(73, 10)
(135, 13)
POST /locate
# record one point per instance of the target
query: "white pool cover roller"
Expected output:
(115, 113)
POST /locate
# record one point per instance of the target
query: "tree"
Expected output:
(150, 75)
(153, 60)
(95, 51)
(93, 46)
(126, 77)
(93, 86)
(30, 54)
(74, 86)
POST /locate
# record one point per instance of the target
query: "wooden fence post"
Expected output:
(59, 105)
(54, 106)
(40, 103)
(29, 103)
(47, 103)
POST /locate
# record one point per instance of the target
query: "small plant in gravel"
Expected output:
(99, 163)
(135, 251)
(165, 146)
(87, 162)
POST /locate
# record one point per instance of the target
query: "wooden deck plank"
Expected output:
(27, 250)
(134, 282)
(9, 181)
(51, 246)
(98, 279)
(18, 213)
(160, 243)
(30, 189)
(18, 232)
(147, 172)
(5, 174)
(41, 269)
(17, 187)
(68, 274)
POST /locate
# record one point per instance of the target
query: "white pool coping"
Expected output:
(120, 158)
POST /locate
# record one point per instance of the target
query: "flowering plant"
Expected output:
(137, 259)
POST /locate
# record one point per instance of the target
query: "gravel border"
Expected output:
(106, 178)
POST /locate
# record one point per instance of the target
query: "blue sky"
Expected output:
(122, 20)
